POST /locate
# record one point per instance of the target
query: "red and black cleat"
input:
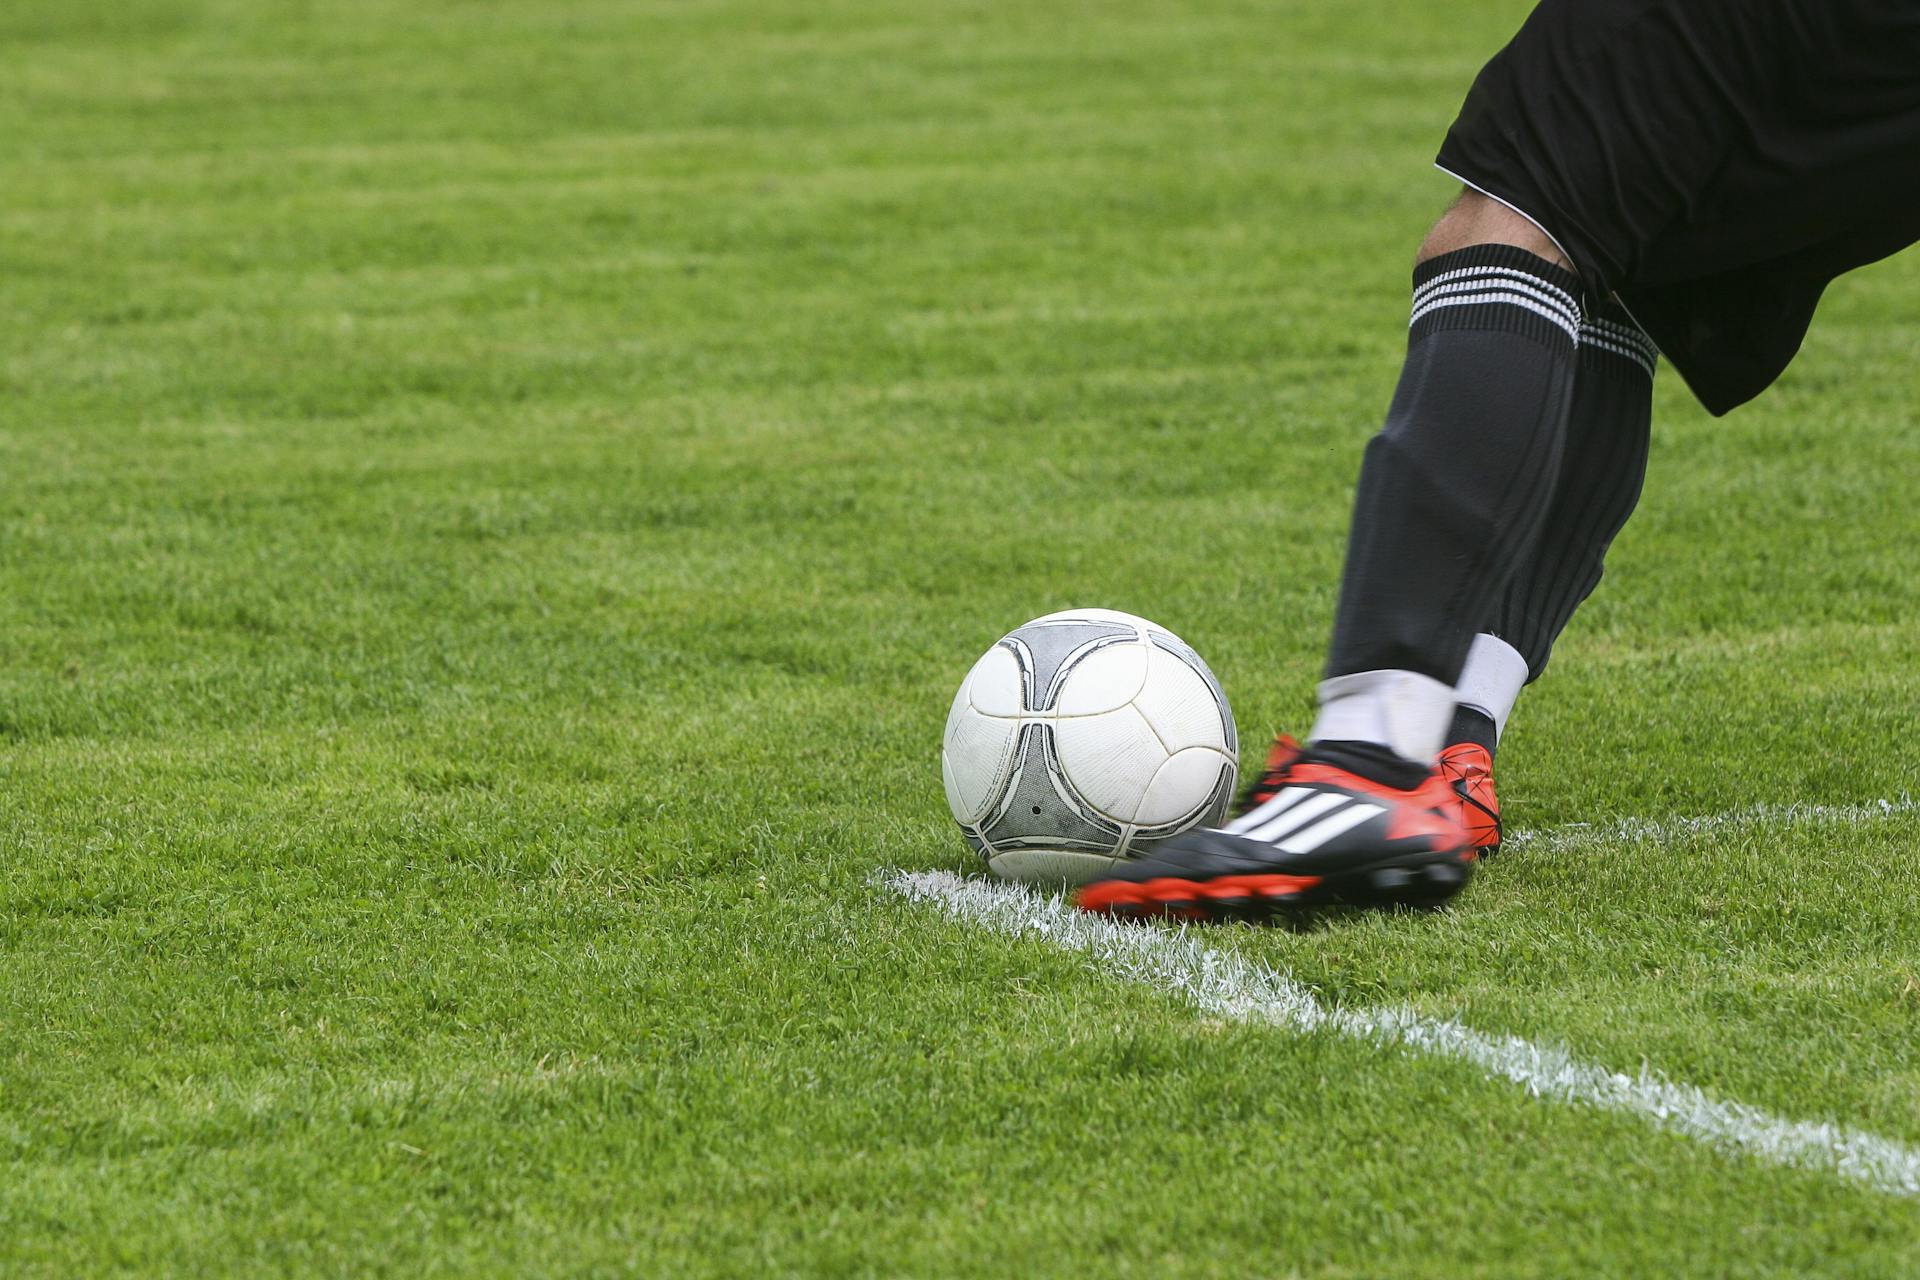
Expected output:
(1310, 833)
(1280, 757)
(1468, 769)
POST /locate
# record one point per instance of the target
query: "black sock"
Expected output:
(1471, 724)
(1454, 486)
(1370, 760)
(1601, 471)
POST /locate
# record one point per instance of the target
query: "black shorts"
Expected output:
(1713, 162)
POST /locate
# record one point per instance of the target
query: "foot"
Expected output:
(1280, 757)
(1310, 833)
(1468, 769)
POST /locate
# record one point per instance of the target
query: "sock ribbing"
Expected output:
(1608, 331)
(1494, 286)
(1455, 484)
(1597, 488)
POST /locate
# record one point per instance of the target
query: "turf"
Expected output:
(499, 495)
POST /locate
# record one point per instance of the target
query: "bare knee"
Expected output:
(1476, 219)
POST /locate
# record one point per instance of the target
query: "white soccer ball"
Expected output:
(1082, 738)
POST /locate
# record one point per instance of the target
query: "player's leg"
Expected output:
(1451, 496)
(1601, 472)
(1454, 488)
(1474, 220)
(1602, 467)
(1716, 184)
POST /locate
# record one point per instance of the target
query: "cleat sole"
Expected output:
(1430, 882)
(1227, 898)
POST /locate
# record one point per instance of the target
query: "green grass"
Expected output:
(499, 494)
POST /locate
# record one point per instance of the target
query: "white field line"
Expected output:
(1222, 984)
(1581, 834)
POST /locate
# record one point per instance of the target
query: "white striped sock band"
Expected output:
(1497, 275)
(1622, 340)
(1496, 286)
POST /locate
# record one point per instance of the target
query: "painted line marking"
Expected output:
(1659, 830)
(1222, 984)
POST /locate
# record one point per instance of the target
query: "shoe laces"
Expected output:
(1462, 770)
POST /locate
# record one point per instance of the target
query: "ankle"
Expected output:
(1403, 712)
(1470, 724)
(1369, 760)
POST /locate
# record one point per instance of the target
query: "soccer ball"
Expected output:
(1082, 738)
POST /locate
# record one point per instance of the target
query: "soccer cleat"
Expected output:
(1280, 757)
(1321, 835)
(1468, 769)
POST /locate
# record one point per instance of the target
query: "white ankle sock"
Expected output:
(1491, 681)
(1403, 711)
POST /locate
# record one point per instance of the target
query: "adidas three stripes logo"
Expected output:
(1299, 824)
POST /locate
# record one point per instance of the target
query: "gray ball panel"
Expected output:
(1217, 806)
(1043, 649)
(1061, 823)
(975, 843)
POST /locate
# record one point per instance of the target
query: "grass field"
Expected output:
(498, 496)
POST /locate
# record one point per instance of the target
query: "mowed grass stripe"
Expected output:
(500, 496)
